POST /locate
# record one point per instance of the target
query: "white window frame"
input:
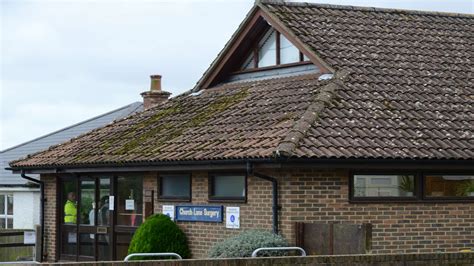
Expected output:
(5, 216)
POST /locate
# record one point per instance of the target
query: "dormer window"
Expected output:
(273, 49)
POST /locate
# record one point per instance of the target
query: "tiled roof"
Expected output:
(239, 120)
(404, 91)
(410, 93)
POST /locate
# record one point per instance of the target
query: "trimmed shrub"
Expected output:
(243, 244)
(159, 234)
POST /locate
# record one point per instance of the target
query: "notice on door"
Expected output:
(111, 203)
(130, 205)
(232, 217)
(71, 237)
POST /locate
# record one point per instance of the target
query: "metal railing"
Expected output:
(303, 253)
(165, 254)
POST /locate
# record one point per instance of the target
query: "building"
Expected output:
(311, 113)
(20, 198)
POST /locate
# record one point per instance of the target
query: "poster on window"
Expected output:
(232, 217)
(130, 205)
(71, 237)
(111, 203)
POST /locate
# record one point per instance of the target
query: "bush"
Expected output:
(159, 234)
(243, 244)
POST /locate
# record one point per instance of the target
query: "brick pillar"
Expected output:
(50, 219)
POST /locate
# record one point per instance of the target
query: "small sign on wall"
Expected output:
(168, 210)
(29, 237)
(232, 217)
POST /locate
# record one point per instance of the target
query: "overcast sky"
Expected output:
(66, 61)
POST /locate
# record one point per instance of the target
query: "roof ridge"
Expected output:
(366, 8)
(137, 105)
(326, 94)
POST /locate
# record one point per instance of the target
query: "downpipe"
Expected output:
(274, 194)
(41, 184)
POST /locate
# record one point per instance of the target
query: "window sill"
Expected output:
(411, 201)
(166, 199)
(227, 200)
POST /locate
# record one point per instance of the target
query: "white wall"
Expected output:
(25, 209)
(26, 206)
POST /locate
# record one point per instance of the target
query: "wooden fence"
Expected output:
(20, 245)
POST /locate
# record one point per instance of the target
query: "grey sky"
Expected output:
(65, 61)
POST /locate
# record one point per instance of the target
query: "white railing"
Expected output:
(168, 254)
(255, 252)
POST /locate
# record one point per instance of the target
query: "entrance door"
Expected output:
(86, 221)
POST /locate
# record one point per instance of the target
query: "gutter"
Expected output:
(41, 183)
(274, 194)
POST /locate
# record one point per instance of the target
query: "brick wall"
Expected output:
(322, 196)
(256, 213)
(50, 191)
(425, 259)
(312, 196)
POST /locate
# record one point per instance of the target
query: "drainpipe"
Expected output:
(274, 194)
(41, 183)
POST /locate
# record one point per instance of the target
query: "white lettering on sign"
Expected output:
(232, 217)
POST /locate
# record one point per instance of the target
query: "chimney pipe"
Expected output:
(155, 95)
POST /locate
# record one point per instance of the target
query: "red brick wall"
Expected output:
(322, 196)
(256, 213)
(314, 196)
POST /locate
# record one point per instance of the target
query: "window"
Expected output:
(273, 49)
(6, 211)
(129, 200)
(383, 185)
(177, 187)
(267, 50)
(416, 186)
(288, 52)
(228, 187)
(449, 186)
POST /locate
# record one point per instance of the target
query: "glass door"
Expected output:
(129, 211)
(86, 219)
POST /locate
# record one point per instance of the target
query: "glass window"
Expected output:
(267, 50)
(2, 204)
(69, 201)
(87, 201)
(288, 52)
(228, 186)
(103, 211)
(130, 200)
(449, 185)
(383, 185)
(175, 186)
(249, 62)
(6, 211)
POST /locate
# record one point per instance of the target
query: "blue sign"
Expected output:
(199, 213)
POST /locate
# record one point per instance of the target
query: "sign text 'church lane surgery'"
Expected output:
(199, 213)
